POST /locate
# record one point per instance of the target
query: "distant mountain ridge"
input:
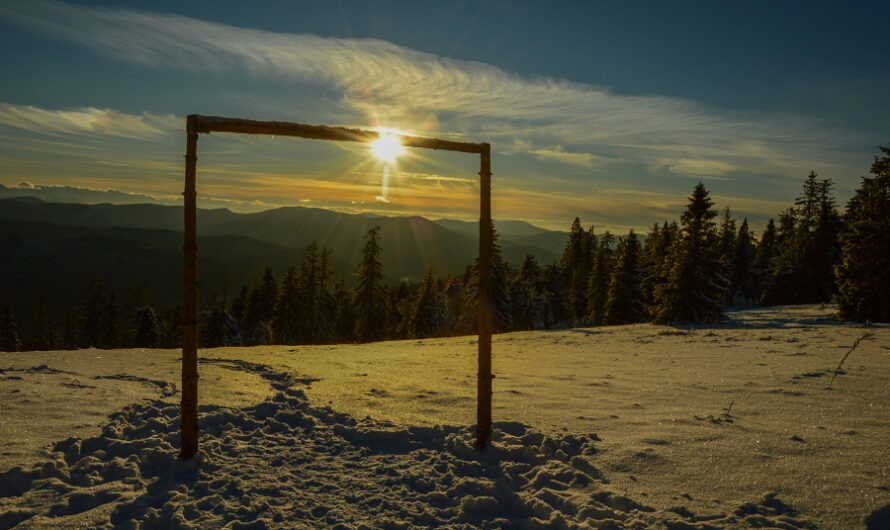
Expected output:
(53, 247)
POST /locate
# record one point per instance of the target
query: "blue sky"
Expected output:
(610, 111)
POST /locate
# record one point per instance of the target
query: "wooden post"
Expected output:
(486, 236)
(189, 427)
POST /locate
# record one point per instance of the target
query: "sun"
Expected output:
(387, 147)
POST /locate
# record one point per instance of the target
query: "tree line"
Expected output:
(689, 271)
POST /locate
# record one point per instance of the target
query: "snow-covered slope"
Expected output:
(618, 427)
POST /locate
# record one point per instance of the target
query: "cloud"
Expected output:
(559, 155)
(89, 120)
(480, 101)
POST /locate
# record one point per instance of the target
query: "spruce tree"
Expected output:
(767, 250)
(556, 297)
(372, 313)
(343, 327)
(726, 239)
(427, 310)
(625, 303)
(655, 264)
(9, 332)
(600, 275)
(90, 315)
(218, 327)
(864, 271)
(172, 321)
(110, 323)
(149, 333)
(501, 305)
(526, 297)
(695, 287)
(262, 303)
(284, 323)
(44, 335)
(803, 270)
(743, 269)
(576, 262)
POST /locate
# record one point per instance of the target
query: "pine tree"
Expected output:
(266, 296)
(218, 327)
(316, 308)
(44, 336)
(372, 313)
(803, 270)
(284, 323)
(556, 297)
(600, 275)
(427, 311)
(695, 288)
(172, 321)
(9, 332)
(625, 303)
(136, 300)
(767, 250)
(726, 239)
(110, 323)
(655, 263)
(343, 327)
(864, 271)
(527, 300)
(576, 262)
(149, 333)
(90, 315)
(743, 270)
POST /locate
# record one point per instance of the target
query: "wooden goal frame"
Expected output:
(196, 125)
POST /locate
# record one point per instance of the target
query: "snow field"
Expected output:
(284, 464)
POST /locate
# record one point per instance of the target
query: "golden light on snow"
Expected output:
(387, 148)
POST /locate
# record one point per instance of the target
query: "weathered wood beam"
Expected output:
(209, 124)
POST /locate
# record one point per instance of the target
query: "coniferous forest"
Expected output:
(684, 271)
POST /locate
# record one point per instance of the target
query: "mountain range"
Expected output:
(52, 248)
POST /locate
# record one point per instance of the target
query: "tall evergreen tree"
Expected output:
(526, 296)
(218, 327)
(9, 332)
(343, 328)
(149, 332)
(767, 249)
(655, 263)
(556, 297)
(172, 321)
(44, 335)
(111, 323)
(287, 308)
(372, 314)
(501, 308)
(864, 271)
(743, 269)
(598, 283)
(803, 270)
(726, 239)
(576, 262)
(427, 310)
(695, 288)
(90, 315)
(625, 303)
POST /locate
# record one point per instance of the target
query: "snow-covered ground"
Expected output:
(617, 427)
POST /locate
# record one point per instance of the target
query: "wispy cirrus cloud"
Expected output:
(571, 128)
(382, 79)
(89, 120)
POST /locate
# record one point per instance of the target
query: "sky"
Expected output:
(607, 111)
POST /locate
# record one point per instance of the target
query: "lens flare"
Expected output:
(387, 148)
